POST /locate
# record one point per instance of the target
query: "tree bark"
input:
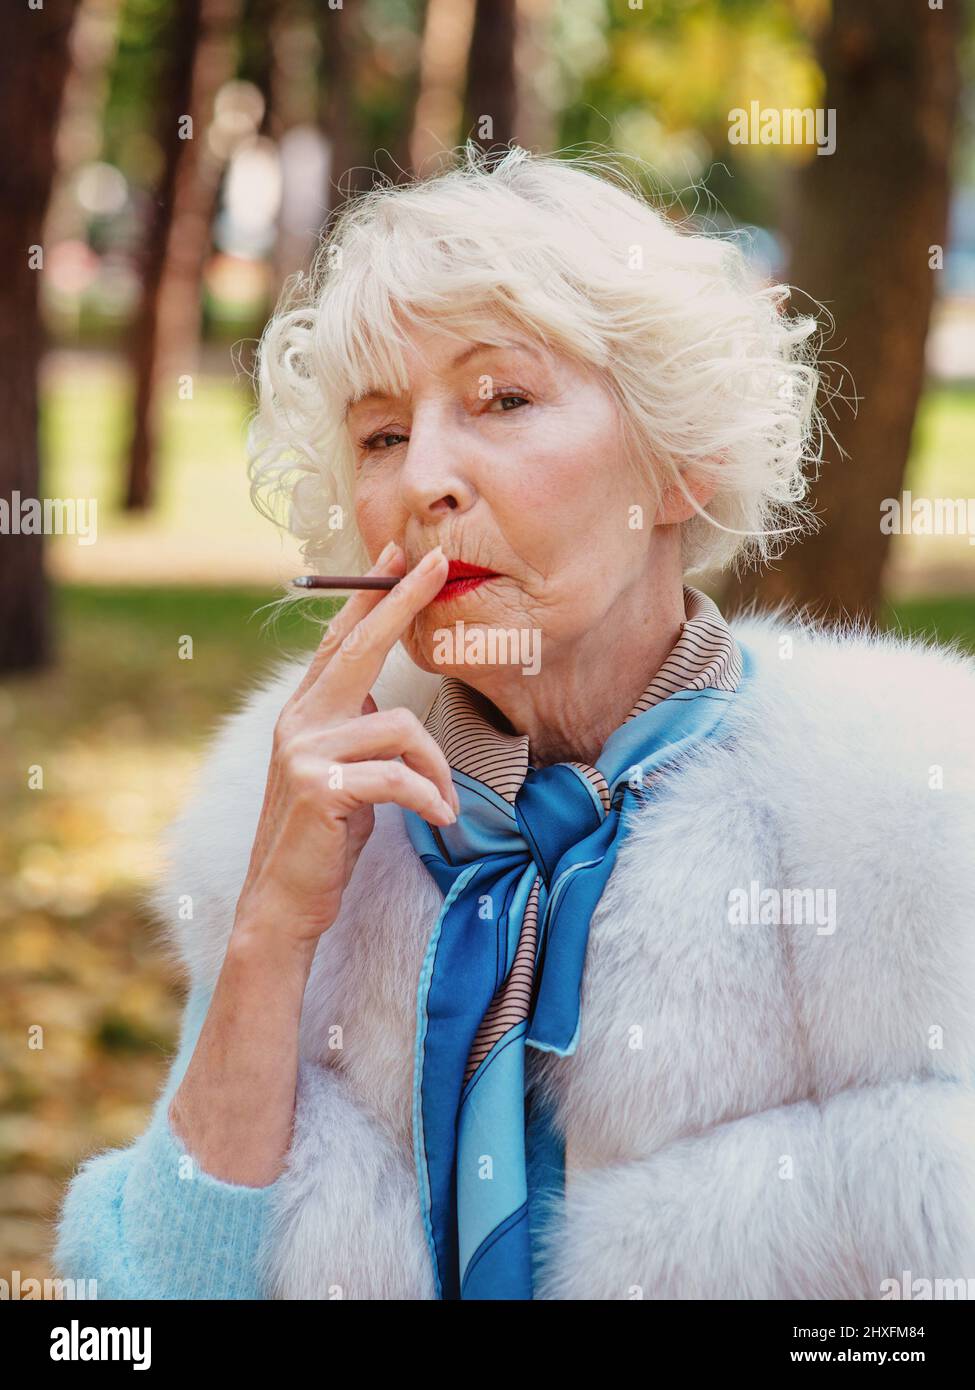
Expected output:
(448, 27)
(167, 329)
(350, 165)
(492, 89)
(175, 99)
(258, 30)
(35, 45)
(860, 225)
(536, 119)
(81, 123)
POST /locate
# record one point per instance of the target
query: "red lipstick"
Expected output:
(461, 578)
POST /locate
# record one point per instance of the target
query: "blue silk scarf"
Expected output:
(522, 870)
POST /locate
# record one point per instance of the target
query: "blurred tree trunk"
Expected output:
(536, 119)
(281, 55)
(860, 224)
(180, 41)
(340, 117)
(198, 182)
(401, 145)
(167, 326)
(259, 28)
(492, 91)
(447, 30)
(35, 45)
(80, 137)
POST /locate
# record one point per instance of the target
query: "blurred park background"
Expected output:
(166, 166)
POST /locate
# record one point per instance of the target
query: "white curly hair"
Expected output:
(710, 371)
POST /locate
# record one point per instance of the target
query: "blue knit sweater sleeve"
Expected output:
(148, 1222)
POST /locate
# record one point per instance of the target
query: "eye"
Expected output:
(510, 400)
(370, 442)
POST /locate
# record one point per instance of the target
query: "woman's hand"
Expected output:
(334, 756)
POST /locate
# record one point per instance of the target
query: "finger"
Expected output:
(344, 682)
(392, 561)
(395, 733)
(378, 783)
(352, 611)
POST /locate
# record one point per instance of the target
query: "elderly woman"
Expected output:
(547, 936)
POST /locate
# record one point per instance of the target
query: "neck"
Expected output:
(582, 694)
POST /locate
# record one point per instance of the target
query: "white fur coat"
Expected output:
(753, 1111)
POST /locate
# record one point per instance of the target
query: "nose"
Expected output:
(436, 476)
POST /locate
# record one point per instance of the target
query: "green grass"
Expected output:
(120, 648)
(939, 619)
(85, 424)
(944, 438)
(201, 520)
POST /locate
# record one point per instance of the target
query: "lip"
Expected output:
(461, 578)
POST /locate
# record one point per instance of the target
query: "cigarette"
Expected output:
(343, 581)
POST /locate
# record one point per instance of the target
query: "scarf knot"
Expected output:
(556, 807)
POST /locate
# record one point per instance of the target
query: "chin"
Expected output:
(420, 644)
(463, 644)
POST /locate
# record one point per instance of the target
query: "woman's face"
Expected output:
(510, 458)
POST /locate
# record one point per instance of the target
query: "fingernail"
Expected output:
(455, 799)
(429, 560)
(448, 811)
(387, 554)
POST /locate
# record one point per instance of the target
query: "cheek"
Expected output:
(373, 517)
(575, 483)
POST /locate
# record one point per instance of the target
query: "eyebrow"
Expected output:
(458, 361)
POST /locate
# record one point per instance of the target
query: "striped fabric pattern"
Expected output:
(512, 1002)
